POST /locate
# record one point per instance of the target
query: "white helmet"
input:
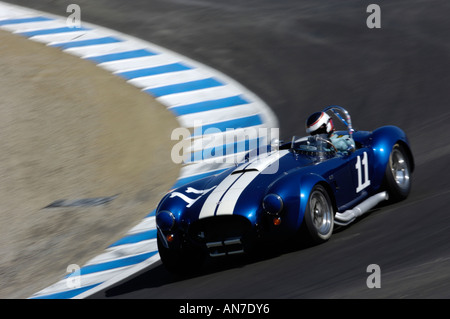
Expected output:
(319, 123)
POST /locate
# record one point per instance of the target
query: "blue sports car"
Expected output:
(305, 186)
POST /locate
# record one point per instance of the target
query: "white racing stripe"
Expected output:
(263, 161)
(228, 202)
(210, 205)
(223, 199)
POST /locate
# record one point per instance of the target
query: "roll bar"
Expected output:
(343, 115)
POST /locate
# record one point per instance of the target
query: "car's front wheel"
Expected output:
(319, 215)
(181, 261)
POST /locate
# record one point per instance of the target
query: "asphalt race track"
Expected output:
(300, 56)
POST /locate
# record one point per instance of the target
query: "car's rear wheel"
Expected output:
(398, 174)
(319, 215)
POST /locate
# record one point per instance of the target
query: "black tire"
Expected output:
(181, 261)
(398, 174)
(318, 221)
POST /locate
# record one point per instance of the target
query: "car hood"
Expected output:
(238, 190)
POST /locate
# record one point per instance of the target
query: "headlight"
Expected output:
(165, 220)
(272, 204)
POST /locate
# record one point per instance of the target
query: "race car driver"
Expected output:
(322, 123)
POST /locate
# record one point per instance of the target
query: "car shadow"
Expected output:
(159, 276)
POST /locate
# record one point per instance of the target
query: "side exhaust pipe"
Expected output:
(345, 218)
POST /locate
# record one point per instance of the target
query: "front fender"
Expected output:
(295, 189)
(307, 183)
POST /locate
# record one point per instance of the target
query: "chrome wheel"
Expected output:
(398, 177)
(399, 169)
(321, 213)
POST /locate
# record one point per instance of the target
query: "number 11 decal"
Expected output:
(365, 164)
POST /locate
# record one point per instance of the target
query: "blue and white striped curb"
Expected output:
(192, 91)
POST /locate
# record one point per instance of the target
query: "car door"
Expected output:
(359, 163)
(339, 176)
(349, 176)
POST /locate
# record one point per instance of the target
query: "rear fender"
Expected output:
(383, 140)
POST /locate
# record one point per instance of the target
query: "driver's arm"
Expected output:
(343, 143)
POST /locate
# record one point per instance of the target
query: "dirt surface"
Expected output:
(70, 130)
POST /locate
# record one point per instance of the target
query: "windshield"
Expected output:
(317, 145)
